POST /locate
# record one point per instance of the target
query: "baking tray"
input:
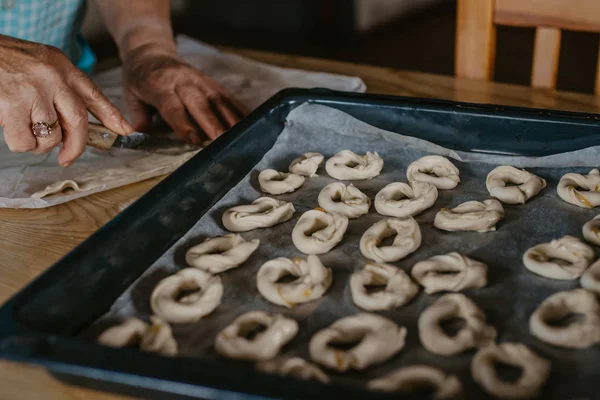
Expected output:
(41, 323)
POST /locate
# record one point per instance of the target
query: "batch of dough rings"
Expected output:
(307, 164)
(295, 367)
(275, 182)
(451, 272)
(418, 377)
(377, 340)
(399, 288)
(580, 190)
(590, 280)
(345, 200)
(264, 212)
(206, 291)
(526, 184)
(221, 253)
(407, 239)
(436, 170)
(475, 333)
(575, 254)
(477, 216)
(233, 341)
(317, 232)
(591, 231)
(535, 370)
(581, 333)
(348, 166)
(401, 199)
(313, 280)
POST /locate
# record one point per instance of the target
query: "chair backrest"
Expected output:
(476, 34)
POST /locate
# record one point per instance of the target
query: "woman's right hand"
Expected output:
(38, 83)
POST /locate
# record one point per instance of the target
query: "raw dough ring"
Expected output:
(591, 231)
(590, 280)
(154, 338)
(402, 200)
(347, 165)
(534, 375)
(275, 182)
(295, 367)
(578, 255)
(399, 288)
(446, 174)
(232, 343)
(378, 340)
(590, 184)
(345, 200)
(415, 377)
(478, 216)
(264, 212)
(221, 253)
(528, 184)
(579, 334)
(452, 272)
(190, 307)
(407, 240)
(317, 232)
(313, 280)
(307, 164)
(476, 333)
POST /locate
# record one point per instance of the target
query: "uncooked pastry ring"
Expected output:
(191, 307)
(407, 239)
(415, 377)
(221, 253)
(526, 184)
(580, 190)
(154, 338)
(402, 200)
(475, 333)
(436, 170)
(379, 339)
(576, 253)
(399, 288)
(295, 367)
(451, 272)
(590, 280)
(345, 200)
(275, 182)
(231, 342)
(313, 280)
(534, 375)
(317, 232)
(478, 216)
(591, 231)
(307, 164)
(581, 333)
(264, 212)
(347, 165)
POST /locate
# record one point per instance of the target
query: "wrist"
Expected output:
(143, 39)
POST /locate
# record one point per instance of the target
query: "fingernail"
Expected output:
(67, 164)
(127, 128)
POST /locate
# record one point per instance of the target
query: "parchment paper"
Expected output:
(508, 300)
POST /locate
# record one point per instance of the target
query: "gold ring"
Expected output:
(43, 129)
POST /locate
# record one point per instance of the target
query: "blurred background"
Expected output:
(408, 34)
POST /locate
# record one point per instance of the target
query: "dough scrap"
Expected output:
(528, 184)
(345, 200)
(407, 239)
(590, 280)
(317, 232)
(221, 253)
(591, 231)
(577, 255)
(264, 212)
(402, 200)
(413, 378)
(307, 164)
(478, 216)
(295, 367)
(446, 174)
(451, 272)
(347, 165)
(274, 182)
(580, 190)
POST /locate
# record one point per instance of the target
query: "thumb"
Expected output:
(139, 113)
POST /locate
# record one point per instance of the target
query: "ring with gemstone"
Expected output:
(43, 129)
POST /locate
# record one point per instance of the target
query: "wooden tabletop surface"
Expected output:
(32, 240)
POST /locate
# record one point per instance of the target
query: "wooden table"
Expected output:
(34, 239)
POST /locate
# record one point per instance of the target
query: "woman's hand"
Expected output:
(38, 83)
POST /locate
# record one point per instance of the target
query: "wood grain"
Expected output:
(546, 51)
(475, 39)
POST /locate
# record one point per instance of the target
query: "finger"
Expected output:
(199, 107)
(239, 107)
(17, 132)
(227, 112)
(174, 113)
(139, 112)
(73, 118)
(43, 110)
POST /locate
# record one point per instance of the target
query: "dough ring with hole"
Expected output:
(295, 367)
(264, 212)
(475, 333)
(590, 280)
(407, 239)
(307, 164)
(591, 231)
(535, 370)
(416, 377)
(313, 280)
(577, 257)
(232, 342)
(348, 166)
(451, 272)
(477, 216)
(581, 333)
(378, 340)
(317, 232)
(154, 338)
(206, 296)
(399, 288)
(221, 253)
(345, 200)
(580, 190)
(402, 200)
(275, 182)
(528, 184)
(436, 170)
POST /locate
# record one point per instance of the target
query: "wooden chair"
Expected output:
(476, 34)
